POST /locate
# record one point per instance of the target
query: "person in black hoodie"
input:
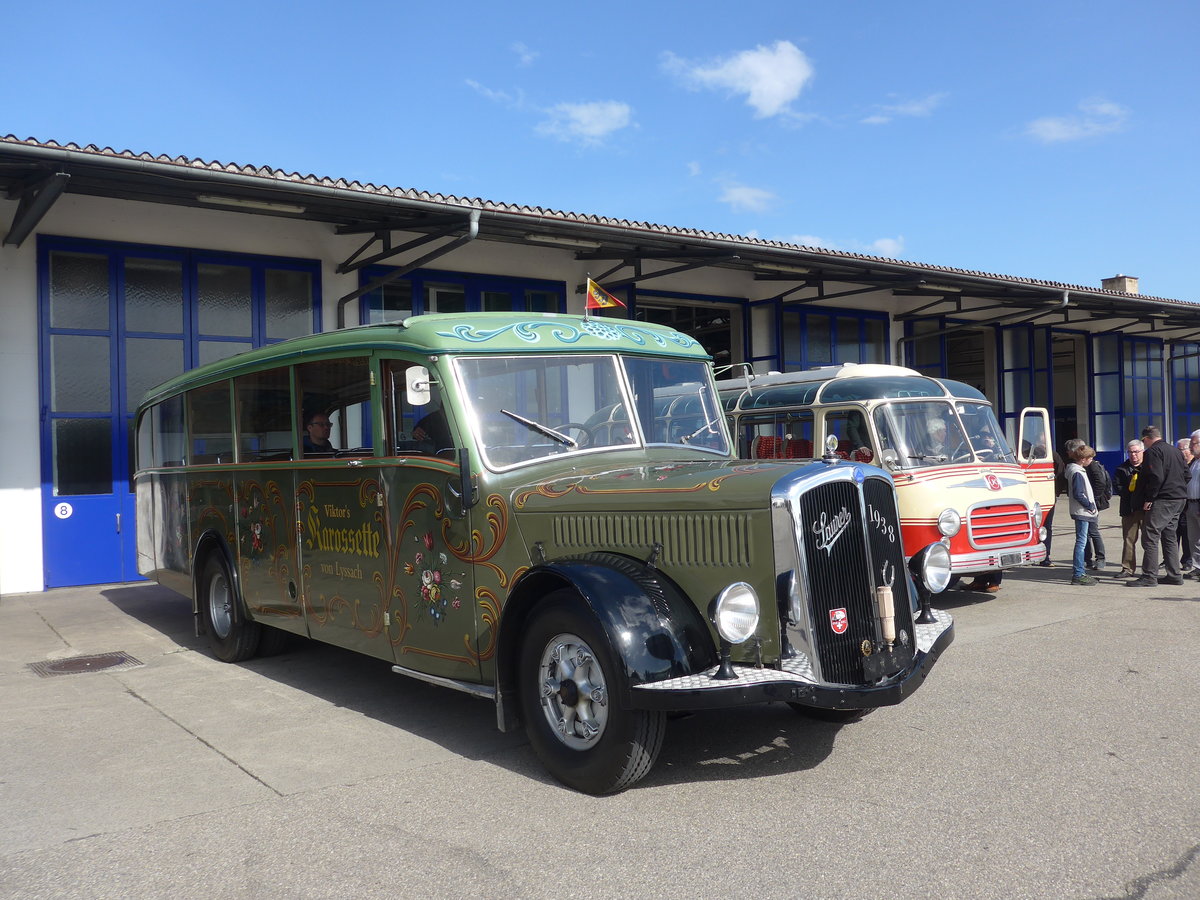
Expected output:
(1164, 493)
(1102, 491)
(1128, 489)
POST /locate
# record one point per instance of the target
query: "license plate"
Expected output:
(1010, 559)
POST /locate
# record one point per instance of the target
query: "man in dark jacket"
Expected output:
(1128, 488)
(1164, 493)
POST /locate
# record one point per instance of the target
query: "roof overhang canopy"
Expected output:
(36, 175)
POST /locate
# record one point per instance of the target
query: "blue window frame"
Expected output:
(1142, 360)
(114, 320)
(822, 337)
(431, 290)
(1185, 388)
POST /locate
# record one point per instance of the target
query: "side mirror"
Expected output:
(416, 383)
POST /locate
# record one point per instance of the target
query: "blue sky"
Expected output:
(1054, 139)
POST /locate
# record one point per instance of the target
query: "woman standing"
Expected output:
(1083, 510)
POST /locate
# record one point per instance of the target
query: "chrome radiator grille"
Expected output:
(849, 539)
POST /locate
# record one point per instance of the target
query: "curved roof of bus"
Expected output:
(848, 382)
(440, 333)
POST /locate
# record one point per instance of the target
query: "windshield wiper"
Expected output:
(542, 429)
(925, 456)
(707, 426)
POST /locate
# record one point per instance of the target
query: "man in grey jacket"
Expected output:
(1164, 494)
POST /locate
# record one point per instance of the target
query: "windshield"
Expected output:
(932, 434)
(985, 432)
(528, 408)
(921, 434)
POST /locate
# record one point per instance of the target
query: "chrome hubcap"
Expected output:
(220, 605)
(574, 697)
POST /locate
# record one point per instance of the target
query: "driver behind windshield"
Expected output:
(937, 437)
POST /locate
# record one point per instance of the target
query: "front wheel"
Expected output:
(231, 635)
(569, 685)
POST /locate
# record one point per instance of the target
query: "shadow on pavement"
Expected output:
(710, 745)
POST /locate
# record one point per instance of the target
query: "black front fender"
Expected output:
(653, 629)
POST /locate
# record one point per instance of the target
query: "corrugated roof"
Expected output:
(282, 179)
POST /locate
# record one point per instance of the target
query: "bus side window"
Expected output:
(264, 415)
(854, 439)
(210, 428)
(340, 390)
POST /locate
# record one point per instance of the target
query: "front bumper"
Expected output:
(795, 682)
(999, 558)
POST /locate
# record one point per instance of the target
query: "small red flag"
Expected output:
(599, 298)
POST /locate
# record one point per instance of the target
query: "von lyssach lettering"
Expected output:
(829, 530)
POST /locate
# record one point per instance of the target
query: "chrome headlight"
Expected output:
(949, 522)
(1037, 513)
(735, 612)
(931, 566)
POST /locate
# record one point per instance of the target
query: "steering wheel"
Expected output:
(585, 436)
(961, 453)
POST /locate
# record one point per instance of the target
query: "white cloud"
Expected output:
(907, 108)
(770, 77)
(892, 248)
(1095, 118)
(742, 198)
(502, 97)
(586, 123)
(525, 56)
(693, 168)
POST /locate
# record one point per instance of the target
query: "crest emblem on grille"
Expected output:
(838, 620)
(993, 482)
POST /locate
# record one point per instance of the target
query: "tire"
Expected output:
(836, 716)
(272, 641)
(570, 687)
(232, 636)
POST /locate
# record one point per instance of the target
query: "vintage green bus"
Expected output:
(541, 510)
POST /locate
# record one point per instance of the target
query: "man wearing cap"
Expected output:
(1164, 495)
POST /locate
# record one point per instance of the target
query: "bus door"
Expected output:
(342, 535)
(268, 558)
(1035, 455)
(440, 622)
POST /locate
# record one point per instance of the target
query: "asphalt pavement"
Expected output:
(1051, 753)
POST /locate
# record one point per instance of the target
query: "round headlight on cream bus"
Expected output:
(735, 612)
(949, 522)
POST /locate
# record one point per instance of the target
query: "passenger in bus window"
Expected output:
(937, 437)
(316, 434)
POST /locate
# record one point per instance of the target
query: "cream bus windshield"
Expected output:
(931, 434)
(533, 407)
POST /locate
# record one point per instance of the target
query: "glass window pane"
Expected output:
(1107, 353)
(793, 352)
(264, 405)
(875, 347)
(1017, 391)
(1108, 433)
(79, 291)
(149, 361)
(168, 439)
(82, 451)
(211, 351)
(1108, 393)
(819, 338)
(289, 304)
(496, 301)
(1016, 348)
(223, 299)
(445, 298)
(390, 303)
(541, 301)
(209, 424)
(336, 391)
(154, 295)
(79, 373)
(847, 340)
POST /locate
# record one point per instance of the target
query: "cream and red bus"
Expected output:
(957, 478)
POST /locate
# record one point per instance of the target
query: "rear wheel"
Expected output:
(231, 635)
(570, 688)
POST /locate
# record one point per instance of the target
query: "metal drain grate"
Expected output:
(75, 665)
